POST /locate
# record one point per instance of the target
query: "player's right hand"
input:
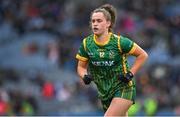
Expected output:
(87, 79)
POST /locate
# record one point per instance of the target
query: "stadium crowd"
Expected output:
(153, 24)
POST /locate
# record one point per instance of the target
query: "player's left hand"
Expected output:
(127, 77)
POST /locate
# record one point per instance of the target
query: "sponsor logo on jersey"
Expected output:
(103, 63)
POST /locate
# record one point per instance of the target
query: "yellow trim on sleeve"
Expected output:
(81, 58)
(133, 48)
(119, 46)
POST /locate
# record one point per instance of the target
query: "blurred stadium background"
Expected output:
(39, 40)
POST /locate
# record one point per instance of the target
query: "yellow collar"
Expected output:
(103, 43)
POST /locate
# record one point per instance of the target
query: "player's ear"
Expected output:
(108, 24)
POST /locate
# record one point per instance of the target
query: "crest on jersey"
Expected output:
(111, 54)
(101, 54)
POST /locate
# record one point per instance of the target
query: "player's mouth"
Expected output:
(95, 29)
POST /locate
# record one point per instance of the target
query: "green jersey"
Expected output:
(106, 62)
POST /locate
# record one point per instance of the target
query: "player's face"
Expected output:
(99, 23)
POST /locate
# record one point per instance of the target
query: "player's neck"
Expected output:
(103, 37)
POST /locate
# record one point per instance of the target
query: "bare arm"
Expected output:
(82, 68)
(141, 57)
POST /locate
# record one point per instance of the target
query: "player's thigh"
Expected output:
(118, 107)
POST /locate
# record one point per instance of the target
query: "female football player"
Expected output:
(102, 58)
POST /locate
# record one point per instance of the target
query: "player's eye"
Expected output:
(99, 20)
(92, 21)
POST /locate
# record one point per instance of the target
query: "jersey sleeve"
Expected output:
(127, 46)
(82, 54)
